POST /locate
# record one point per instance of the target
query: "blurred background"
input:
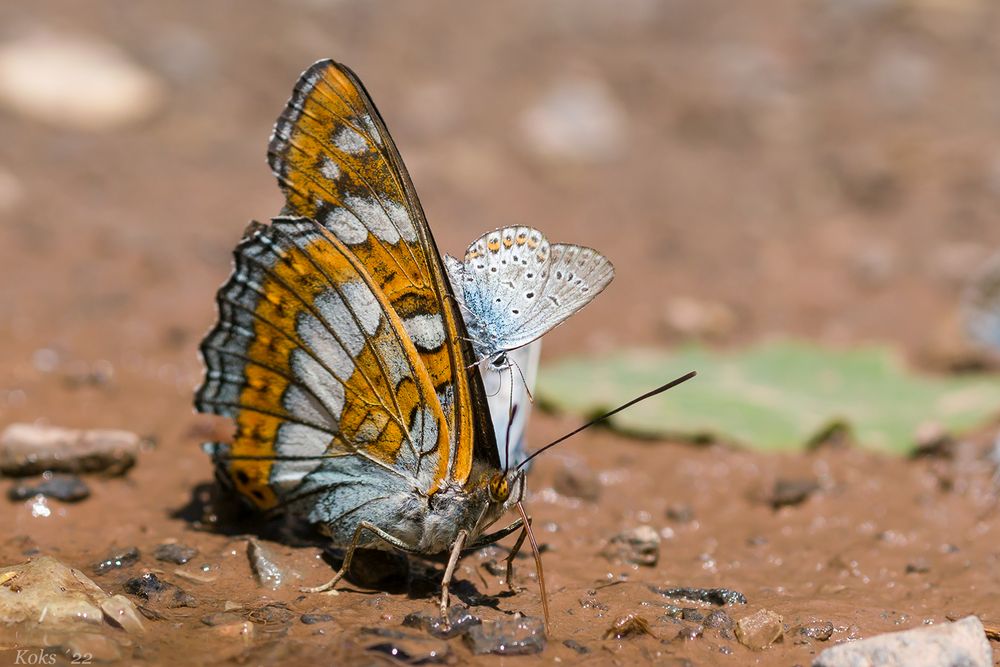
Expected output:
(819, 168)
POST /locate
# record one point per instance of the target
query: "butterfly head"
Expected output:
(503, 490)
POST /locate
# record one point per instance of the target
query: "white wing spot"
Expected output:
(348, 140)
(426, 331)
(330, 169)
(388, 221)
(345, 226)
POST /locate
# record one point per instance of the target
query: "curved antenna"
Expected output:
(648, 394)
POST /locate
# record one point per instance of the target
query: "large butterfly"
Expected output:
(341, 354)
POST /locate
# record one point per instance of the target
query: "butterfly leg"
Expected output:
(328, 587)
(449, 572)
(509, 573)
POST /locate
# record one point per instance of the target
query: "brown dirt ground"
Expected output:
(825, 169)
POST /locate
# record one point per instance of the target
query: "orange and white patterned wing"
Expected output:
(337, 164)
(313, 363)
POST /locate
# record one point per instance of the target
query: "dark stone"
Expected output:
(150, 587)
(719, 620)
(789, 492)
(681, 513)
(692, 614)
(406, 647)
(313, 619)
(821, 630)
(576, 646)
(271, 614)
(716, 596)
(174, 553)
(458, 623)
(67, 488)
(918, 566)
(507, 636)
(117, 560)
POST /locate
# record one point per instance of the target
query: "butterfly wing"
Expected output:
(508, 391)
(338, 165)
(313, 363)
(516, 286)
(982, 305)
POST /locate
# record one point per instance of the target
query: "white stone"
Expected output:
(74, 82)
(959, 644)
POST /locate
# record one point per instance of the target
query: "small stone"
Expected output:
(631, 625)
(692, 614)
(696, 318)
(959, 644)
(820, 630)
(265, 570)
(174, 553)
(28, 449)
(507, 636)
(150, 587)
(577, 120)
(576, 647)
(759, 630)
(718, 620)
(117, 560)
(70, 81)
(640, 546)
(792, 492)
(680, 513)
(458, 623)
(716, 596)
(406, 647)
(45, 603)
(67, 488)
(689, 632)
(576, 480)
(313, 619)
(222, 618)
(120, 610)
(918, 566)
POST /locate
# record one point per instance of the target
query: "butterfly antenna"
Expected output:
(648, 394)
(538, 564)
(520, 372)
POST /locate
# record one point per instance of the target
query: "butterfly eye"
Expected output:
(499, 488)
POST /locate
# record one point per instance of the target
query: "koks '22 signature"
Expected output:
(41, 656)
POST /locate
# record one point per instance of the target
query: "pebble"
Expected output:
(640, 546)
(759, 630)
(178, 554)
(29, 449)
(67, 488)
(313, 619)
(74, 82)
(44, 602)
(576, 480)
(719, 620)
(222, 618)
(696, 318)
(630, 625)
(460, 619)
(576, 647)
(150, 587)
(117, 560)
(789, 492)
(681, 513)
(406, 647)
(522, 635)
(821, 630)
(716, 596)
(578, 121)
(265, 570)
(689, 632)
(959, 644)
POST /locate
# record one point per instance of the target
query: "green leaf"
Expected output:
(776, 396)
